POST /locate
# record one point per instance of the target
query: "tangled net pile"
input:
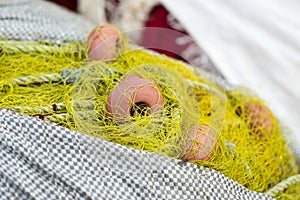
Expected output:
(230, 130)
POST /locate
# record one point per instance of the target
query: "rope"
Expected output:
(280, 187)
(56, 118)
(40, 109)
(55, 77)
(46, 113)
(34, 80)
(68, 74)
(205, 87)
(13, 47)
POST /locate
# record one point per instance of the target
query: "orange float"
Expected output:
(260, 119)
(201, 143)
(102, 43)
(133, 90)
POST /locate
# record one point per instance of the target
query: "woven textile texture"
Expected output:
(36, 20)
(40, 160)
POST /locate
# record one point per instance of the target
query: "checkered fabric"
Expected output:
(36, 20)
(40, 160)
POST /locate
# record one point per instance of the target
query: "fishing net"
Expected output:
(186, 115)
(140, 99)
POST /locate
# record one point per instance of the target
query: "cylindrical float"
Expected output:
(201, 143)
(133, 90)
(103, 43)
(260, 119)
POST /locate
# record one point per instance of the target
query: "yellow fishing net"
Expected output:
(149, 102)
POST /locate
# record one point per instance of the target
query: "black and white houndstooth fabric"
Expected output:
(37, 20)
(40, 160)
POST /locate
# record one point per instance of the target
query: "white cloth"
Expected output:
(255, 44)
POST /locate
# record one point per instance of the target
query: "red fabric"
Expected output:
(70, 4)
(162, 39)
